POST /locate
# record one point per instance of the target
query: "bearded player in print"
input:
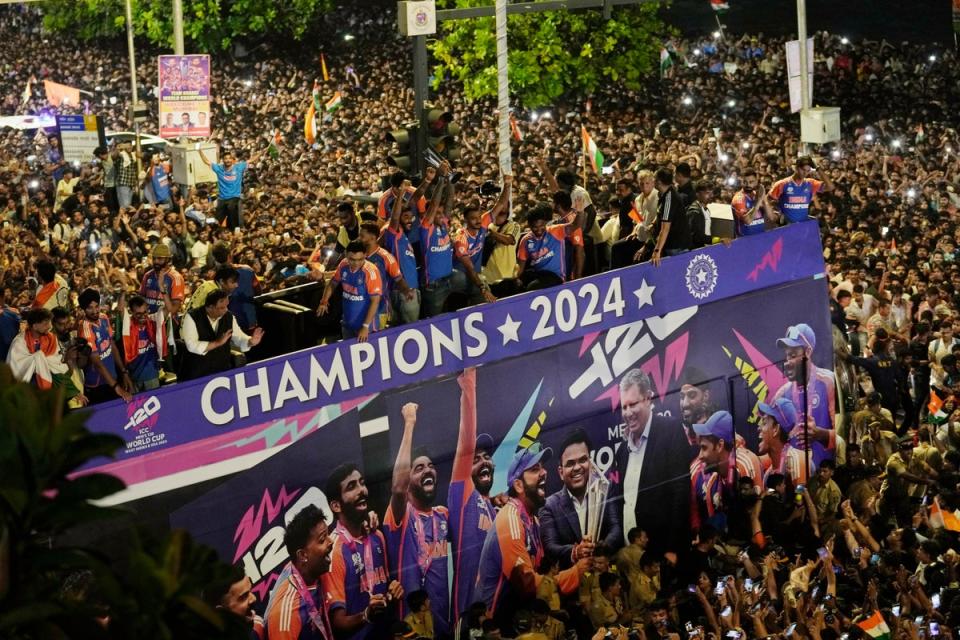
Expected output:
(798, 345)
(471, 509)
(417, 531)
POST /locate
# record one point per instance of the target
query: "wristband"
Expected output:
(366, 325)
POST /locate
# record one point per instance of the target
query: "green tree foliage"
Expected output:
(48, 590)
(551, 53)
(210, 25)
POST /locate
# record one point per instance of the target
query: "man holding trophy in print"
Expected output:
(575, 519)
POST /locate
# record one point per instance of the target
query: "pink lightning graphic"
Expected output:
(251, 524)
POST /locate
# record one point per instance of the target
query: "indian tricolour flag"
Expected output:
(334, 103)
(591, 152)
(937, 414)
(940, 519)
(719, 5)
(875, 627)
(666, 61)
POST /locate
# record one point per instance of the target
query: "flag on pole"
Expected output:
(666, 62)
(323, 68)
(875, 627)
(591, 152)
(940, 519)
(719, 5)
(334, 103)
(310, 126)
(515, 129)
(58, 94)
(936, 407)
(27, 91)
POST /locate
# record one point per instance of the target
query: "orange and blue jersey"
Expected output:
(471, 517)
(712, 494)
(350, 581)
(820, 406)
(470, 245)
(742, 204)
(385, 204)
(398, 244)
(389, 273)
(99, 335)
(437, 251)
(418, 547)
(792, 464)
(511, 555)
(548, 252)
(150, 288)
(794, 198)
(358, 287)
(288, 616)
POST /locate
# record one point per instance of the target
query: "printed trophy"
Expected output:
(597, 489)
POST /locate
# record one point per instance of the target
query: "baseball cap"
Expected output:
(782, 410)
(799, 335)
(906, 442)
(484, 443)
(526, 458)
(719, 425)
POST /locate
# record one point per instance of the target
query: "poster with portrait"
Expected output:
(590, 399)
(184, 83)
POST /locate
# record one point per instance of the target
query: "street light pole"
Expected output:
(133, 85)
(178, 27)
(804, 79)
(503, 92)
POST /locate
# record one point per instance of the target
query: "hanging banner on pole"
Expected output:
(184, 96)
(793, 73)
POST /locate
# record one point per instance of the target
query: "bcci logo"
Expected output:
(701, 276)
(422, 18)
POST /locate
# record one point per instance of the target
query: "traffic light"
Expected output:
(442, 134)
(404, 157)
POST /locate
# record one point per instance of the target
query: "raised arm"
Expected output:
(467, 438)
(203, 158)
(401, 468)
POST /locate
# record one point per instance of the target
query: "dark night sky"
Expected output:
(896, 20)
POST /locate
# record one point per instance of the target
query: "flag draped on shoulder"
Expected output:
(591, 152)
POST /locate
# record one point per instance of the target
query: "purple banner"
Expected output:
(733, 349)
(191, 424)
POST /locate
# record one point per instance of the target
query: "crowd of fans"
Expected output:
(123, 280)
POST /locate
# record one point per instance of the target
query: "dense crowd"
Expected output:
(122, 280)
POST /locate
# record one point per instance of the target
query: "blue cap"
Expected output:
(719, 425)
(526, 458)
(485, 443)
(783, 411)
(799, 335)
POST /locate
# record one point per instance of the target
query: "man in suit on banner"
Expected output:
(563, 520)
(652, 464)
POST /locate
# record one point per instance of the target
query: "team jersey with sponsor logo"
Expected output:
(99, 336)
(150, 288)
(358, 287)
(794, 197)
(470, 245)
(418, 547)
(358, 569)
(437, 252)
(471, 517)
(548, 252)
(742, 204)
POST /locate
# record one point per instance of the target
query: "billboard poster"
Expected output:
(592, 400)
(184, 83)
(80, 135)
(275, 402)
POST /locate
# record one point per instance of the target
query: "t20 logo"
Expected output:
(147, 410)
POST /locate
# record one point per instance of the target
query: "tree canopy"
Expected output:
(209, 25)
(551, 53)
